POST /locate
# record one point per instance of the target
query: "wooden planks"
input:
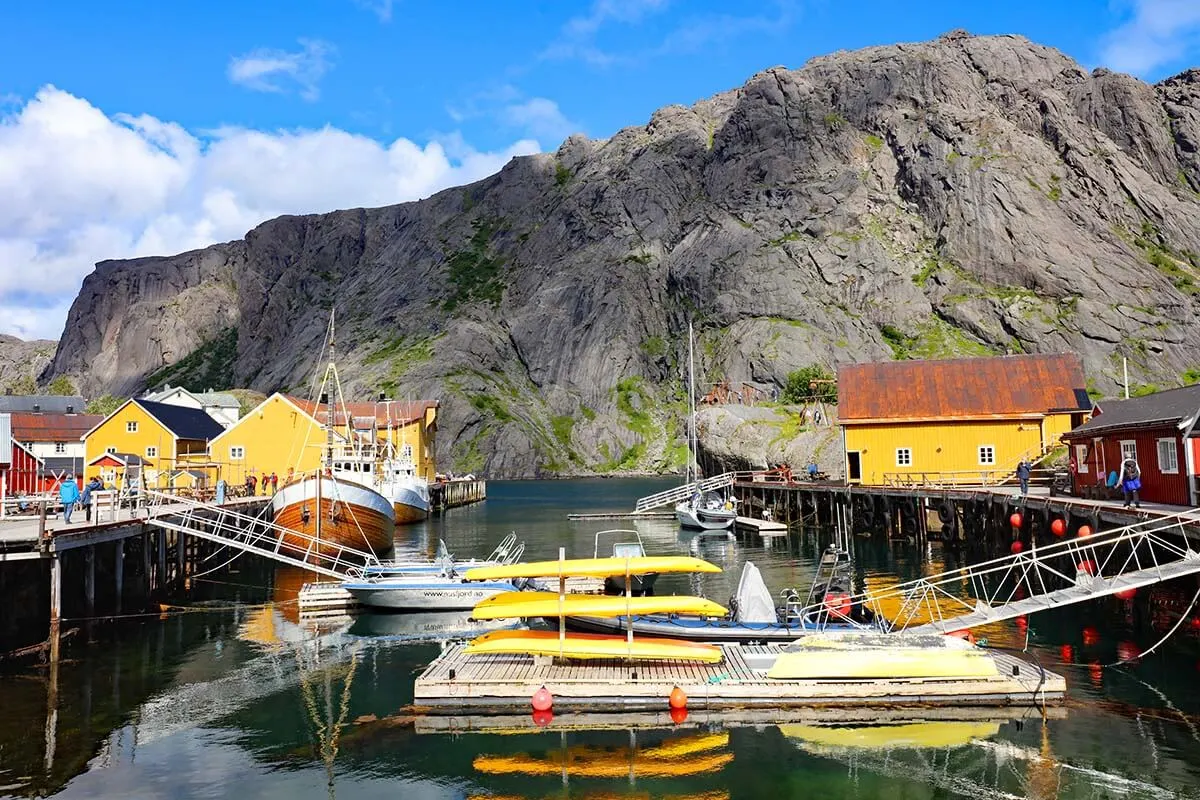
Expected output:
(501, 683)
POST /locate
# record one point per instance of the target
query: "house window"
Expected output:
(903, 456)
(110, 449)
(237, 454)
(60, 448)
(406, 453)
(1081, 459)
(131, 426)
(151, 452)
(1168, 457)
(1128, 450)
(987, 454)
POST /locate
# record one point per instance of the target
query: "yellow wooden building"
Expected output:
(285, 435)
(964, 421)
(160, 443)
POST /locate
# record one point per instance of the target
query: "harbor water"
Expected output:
(235, 696)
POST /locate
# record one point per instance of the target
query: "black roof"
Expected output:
(44, 403)
(1173, 406)
(186, 423)
(59, 464)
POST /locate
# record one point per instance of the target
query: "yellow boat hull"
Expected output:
(591, 646)
(592, 568)
(940, 733)
(876, 663)
(513, 605)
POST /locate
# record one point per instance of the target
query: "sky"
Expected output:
(136, 128)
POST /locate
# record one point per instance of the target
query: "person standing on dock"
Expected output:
(1024, 469)
(1131, 482)
(68, 494)
(94, 485)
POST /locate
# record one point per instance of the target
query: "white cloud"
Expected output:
(541, 118)
(577, 40)
(78, 186)
(380, 8)
(1159, 32)
(282, 71)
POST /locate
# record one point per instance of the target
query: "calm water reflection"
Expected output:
(237, 700)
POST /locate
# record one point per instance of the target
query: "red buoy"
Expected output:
(1067, 654)
(543, 718)
(678, 698)
(1022, 622)
(1128, 651)
(1090, 636)
(1015, 519)
(1016, 547)
(679, 715)
(1126, 594)
(1086, 566)
(1058, 527)
(1096, 672)
(970, 637)
(838, 603)
(1084, 531)
(542, 700)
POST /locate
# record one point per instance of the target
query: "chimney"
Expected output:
(70, 409)
(382, 397)
(324, 398)
(37, 408)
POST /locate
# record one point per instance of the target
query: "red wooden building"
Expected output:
(1160, 431)
(20, 469)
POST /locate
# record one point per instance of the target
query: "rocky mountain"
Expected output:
(21, 362)
(963, 196)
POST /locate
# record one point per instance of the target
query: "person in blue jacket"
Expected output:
(68, 493)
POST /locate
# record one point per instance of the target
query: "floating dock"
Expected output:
(763, 527)
(622, 515)
(457, 683)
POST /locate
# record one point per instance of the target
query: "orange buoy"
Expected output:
(677, 698)
(543, 718)
(679, 715)
(1016, 547)
(1058, 527)
(970, 637)
(1084, 531)
(542, 700)
(1015, 519)
(1126, 594)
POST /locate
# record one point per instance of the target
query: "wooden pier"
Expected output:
(458, 492)
(457, 683)
(763, 527)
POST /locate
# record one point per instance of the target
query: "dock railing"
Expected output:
(1069, 571)
(680, 493)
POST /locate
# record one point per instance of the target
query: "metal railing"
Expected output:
(1060, 574)
(255, 535)
(681, 493)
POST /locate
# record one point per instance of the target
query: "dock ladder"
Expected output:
(1066, 572)
(261, 537)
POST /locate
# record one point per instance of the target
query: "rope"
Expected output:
(1168, 635)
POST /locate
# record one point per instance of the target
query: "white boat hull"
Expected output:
(423, 593)
(689, 518)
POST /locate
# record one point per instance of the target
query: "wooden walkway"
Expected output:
(456, 682)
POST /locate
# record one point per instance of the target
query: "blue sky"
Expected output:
(146, 128)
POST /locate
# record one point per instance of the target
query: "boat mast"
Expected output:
(330, 370)
(693, 459)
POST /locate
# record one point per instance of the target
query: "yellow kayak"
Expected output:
(591, 568)
(513, 605)
(934, 733)
(590, 646)
(596, 763)
(882, 662)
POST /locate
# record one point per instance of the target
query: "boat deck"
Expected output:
(456, 683)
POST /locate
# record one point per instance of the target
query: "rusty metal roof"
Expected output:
(52, 427)
(363, 414)
(963, 388)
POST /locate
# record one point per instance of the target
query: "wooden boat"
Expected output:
(860, 656)
(513, 605)
(591, 646)
(592, 568)
(333, 509)
(408, 492)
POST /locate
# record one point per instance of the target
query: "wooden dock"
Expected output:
(622, 515)
(762, 527)
(457, 683)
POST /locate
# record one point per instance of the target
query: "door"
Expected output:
(853, 466)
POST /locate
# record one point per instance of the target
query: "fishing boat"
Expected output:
(408, 491)
(444, 589)
(336, 504)
(625, 544)
(753, 616)
(702, 510)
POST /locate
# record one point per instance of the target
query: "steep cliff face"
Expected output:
(957, 197)
(21, 361)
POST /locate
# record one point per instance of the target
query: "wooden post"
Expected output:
(161, 535)
(89, 580)
(55, 605)
(51, 731)
(180, 556)
(120, 572)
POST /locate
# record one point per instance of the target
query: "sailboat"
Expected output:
(337, 504)
(408, 491)
(700, 511)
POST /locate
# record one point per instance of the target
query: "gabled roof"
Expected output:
(123, 459)
(1179, 407)
(185, 423)
(364, 414)
(52, 427)
(44, 403)
(963, 388)
(208, 399)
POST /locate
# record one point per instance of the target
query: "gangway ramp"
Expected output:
(1066, 572)
(250, 534)
(670, 497)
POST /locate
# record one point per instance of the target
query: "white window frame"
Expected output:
(1130, 453)
(907, 459)
(151, 452)
(1081, 454)
(1174, 451)
(131, 426)
(60, 448)
(991, 449)
(237, 452)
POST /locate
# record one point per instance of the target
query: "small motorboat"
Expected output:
(443, 589)
(507, 552)
(625, 544)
